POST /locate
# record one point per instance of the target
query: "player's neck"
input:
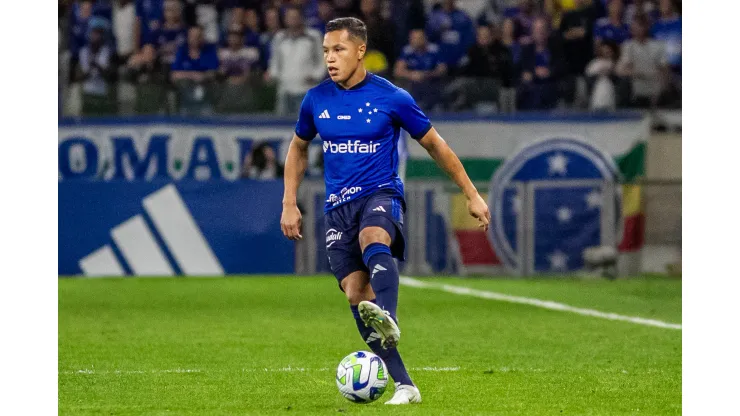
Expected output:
(357, 77)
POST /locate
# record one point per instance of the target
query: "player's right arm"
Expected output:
(296, 162)
(295, 167)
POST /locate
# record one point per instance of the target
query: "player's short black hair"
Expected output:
(354, 26)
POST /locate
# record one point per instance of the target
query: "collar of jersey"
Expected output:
(358, 85)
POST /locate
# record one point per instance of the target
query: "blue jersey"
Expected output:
(421, 61)
(359, 128)
(207, 61)
(670, 32)
(606, 31)
(454, 32)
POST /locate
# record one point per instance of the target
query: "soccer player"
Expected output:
(359, 116)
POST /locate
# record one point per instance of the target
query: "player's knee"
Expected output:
(355, 296)
(355, 288)
(370, 235)
(356, 293)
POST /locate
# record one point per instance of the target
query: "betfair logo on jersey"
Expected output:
(350, 147)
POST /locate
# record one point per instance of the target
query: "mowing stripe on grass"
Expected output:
(546, 304)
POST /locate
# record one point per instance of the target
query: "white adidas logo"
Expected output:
(325, 114)
(377, 268)
(379, 209)
(374, 336)
(144, 256)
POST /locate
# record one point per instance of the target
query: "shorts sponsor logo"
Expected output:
(332, 236)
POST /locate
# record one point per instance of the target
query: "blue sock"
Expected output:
(383, 276)
(391, 357)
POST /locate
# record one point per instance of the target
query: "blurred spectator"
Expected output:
(194, 68)
(600, 72)
(494, 12)
(576, 29)
(310, 9)
(233, 10)
(640, 7)
(557, 8)
(161, 44)
(251, 28)
(380, 34)
(641, 64)
(347, 8)
(523, 17)
(203, 13)
(237, 60)
(79, 16)
(124, 20)
(541, 69)
(171, 35)
(612, 28)
(668, 30)
(246, 21)
(296, 62)
(262, 163)
(272, 27)
(453, 31)
(149, 16)
(487, 71)
(326, 13)
(420, 67)
(508, 39)
(96, 70)
(507, 99)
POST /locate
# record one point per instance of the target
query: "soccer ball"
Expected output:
(362, 377)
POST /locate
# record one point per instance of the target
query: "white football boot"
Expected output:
(381, 321)
(405, 394)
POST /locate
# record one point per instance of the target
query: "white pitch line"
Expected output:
(546, 304)
(244, 370)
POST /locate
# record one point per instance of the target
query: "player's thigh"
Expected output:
(375, 234)
(382, 222)
(342, 246)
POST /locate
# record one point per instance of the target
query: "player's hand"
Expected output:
(290, 222)
(478, 208)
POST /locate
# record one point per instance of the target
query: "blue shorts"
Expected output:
(343, 224)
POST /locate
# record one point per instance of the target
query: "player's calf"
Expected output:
(383, 276)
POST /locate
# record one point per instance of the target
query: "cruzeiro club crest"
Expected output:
(550, 202)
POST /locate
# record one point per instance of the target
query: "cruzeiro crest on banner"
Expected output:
(550, 202)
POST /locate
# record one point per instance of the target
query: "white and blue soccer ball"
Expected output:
(362, 377)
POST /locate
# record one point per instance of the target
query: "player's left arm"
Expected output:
(448, 161)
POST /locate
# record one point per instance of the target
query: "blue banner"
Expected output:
(164, 228)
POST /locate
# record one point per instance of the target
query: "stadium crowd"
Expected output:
(237, 56)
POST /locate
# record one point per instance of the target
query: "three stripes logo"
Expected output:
(378, 268)
(325, 114)
(144, 255)
(379, 209)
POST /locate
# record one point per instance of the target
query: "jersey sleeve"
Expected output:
(305, 127)
(409, 116)
(177, 64)
(210, 58)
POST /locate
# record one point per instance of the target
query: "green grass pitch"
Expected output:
(270, 346)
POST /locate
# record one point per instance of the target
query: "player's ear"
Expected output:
(361, 51)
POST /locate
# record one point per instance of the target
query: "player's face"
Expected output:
(342, 54)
